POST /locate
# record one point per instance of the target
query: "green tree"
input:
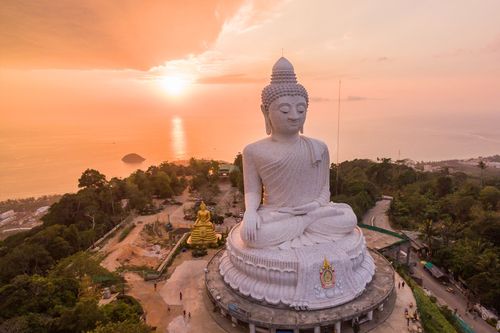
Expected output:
(381, 173)
(92, 178)
(428, 229)
(25, 259)
(137, 199)
(161, 185)
(489, 197)
(83, 264)
(123, 327)
(83, 317)
(236, 175)
(36, 294)
(119, 310)
(482, 166)
(31, 322)
(444, 186)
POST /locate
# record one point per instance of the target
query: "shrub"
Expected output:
(199, 252)
(125, 232)
(431, 317)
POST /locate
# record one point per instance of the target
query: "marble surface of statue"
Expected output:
(277, 252)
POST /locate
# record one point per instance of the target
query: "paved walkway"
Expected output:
(397, 321)
(157, 314)
(188, 278)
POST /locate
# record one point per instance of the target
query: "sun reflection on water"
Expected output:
(178, 138)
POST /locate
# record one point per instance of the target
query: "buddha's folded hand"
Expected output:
(302, 209)
(251, 222)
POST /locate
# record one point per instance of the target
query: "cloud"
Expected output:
(229, 79)
(356, 98)
(320, 99)
(224, 62)
(250, 16)
(107, 34)
(491, 47)
(346, 99)
(456, 52)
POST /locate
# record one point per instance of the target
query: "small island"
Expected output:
(133, 158)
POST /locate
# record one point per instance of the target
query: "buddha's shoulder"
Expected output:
(257, 147)
(320, 145)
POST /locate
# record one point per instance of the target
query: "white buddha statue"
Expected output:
(294, 172)
(277, 252)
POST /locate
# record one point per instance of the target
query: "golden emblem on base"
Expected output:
(327, 275)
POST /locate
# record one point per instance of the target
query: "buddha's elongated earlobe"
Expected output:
(269, 128)
(301, 129)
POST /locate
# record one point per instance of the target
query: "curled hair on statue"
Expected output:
(275, 90)
(283, 83)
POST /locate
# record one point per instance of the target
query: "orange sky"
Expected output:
(419, 77)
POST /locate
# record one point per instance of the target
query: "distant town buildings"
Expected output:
(7, 214)
(42, 210)
(487, 163)
(7, 217)
(12, 221)
(432, 168)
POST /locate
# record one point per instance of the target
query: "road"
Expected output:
(377, 216)
(454, 300)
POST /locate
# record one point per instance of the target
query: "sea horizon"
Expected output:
(39, 164)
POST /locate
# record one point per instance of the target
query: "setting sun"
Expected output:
(174, 85)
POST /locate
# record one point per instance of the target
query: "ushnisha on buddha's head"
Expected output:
(284, 101)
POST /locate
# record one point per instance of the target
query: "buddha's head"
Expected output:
(203, 206)
(284, 101)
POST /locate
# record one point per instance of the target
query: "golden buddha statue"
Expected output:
(203, 232)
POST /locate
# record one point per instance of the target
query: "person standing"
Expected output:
(355, 326)
(180, 295)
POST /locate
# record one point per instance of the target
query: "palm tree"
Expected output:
(428, 230)
(481, 165)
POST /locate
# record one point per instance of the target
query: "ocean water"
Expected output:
(39, 162)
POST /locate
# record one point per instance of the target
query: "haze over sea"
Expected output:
(35, 162)
(83, 83)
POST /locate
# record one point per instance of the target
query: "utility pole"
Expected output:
(338, 143)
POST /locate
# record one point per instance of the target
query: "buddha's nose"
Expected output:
(293, 115)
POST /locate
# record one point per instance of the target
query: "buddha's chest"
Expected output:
(292, 163)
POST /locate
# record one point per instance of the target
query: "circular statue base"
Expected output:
(242, 309)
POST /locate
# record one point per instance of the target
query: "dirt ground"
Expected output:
(133, 250)
(163, 306)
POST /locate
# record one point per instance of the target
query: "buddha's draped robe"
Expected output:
(293, 175)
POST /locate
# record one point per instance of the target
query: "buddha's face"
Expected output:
(287, 114)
